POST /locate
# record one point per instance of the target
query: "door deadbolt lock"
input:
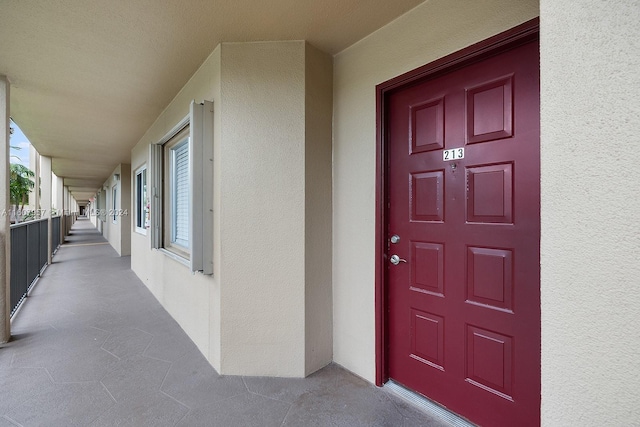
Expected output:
(395, 260)
(395, 238)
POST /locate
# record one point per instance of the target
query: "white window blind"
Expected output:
(180, 194)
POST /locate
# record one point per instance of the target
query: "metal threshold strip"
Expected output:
(426, 405)
(67, 245)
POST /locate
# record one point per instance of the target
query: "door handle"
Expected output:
(395, 260)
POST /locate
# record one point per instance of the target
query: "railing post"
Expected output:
(5, 226)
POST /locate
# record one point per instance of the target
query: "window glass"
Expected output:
(142, 202)
(114, 204)
(176, 194)
(180, 194)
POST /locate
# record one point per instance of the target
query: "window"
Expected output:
(114, 193)
(141, 201)
(181, 190)
(176, 194)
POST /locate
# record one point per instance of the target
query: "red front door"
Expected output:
(464, 200)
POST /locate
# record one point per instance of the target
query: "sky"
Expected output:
(19, 140)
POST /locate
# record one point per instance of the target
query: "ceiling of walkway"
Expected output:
(88, 77)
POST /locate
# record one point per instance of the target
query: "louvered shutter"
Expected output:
(202, 187)
(155, 163)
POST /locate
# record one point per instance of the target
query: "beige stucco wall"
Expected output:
(263, 208)
(249, 317)
(124, 219)
(46, 179)
(192, 299)
(57, 190)
(92, 212)
(117, 233)
(318, 211)
(590, 92)
(110, 230)
(34, 165)
(428, 32)
(101, 198)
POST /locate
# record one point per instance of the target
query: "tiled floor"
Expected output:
(92, 347)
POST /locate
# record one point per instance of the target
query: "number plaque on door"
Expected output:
(453, 154)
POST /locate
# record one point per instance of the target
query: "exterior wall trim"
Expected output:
(524, 33)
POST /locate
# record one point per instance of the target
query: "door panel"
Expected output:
(463, 322)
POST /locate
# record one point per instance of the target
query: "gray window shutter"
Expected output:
(201, 162)
(155, 194)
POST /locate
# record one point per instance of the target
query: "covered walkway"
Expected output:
(92, 347)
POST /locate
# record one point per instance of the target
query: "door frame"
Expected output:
(524, 33)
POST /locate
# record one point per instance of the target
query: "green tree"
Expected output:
(20, 184)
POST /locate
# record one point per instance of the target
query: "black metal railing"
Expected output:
(67, 223)
(55, 233)
(29, 253)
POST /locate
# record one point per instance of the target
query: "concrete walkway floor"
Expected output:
(92, 347)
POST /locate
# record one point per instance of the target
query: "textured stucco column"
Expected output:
(590, 181)
(34, 194)
(275, 237)
(46, 196)
(66, 210)
(57, 202)
(5, 227)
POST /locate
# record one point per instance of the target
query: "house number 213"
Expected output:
(453, 154)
